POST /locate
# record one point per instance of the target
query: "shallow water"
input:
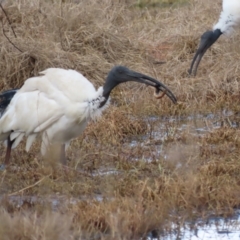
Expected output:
(213, 228)
(164, 129)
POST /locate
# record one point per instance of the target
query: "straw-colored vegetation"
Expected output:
(169, 172)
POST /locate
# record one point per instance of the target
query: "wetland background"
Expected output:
(147, 167)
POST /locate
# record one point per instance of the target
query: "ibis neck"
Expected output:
(102, 103)
(107, 88)
(216, 34)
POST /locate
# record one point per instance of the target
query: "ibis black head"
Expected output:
(121, 74)
(207, 40)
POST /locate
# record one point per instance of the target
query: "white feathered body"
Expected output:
(230, 16)
(56, 105)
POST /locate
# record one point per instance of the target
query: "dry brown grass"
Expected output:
(140, 189)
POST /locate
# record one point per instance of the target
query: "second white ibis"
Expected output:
(229, 17)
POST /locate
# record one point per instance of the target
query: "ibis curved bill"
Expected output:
(229, 17)
(58, 105)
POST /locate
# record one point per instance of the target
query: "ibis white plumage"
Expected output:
(58, 104)
(229, 17)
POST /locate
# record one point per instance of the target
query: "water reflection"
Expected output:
(214, 228)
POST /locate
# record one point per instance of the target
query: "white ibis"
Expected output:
(229, 17)
(58, 104)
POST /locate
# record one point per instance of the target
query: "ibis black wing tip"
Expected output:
(5, 99)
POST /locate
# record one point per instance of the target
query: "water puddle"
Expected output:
(55, 202)
(161, 130)
(212, 229)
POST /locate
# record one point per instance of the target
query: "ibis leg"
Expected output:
(63, 155)
(8, 153)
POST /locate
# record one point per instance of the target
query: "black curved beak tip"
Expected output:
(164, 91)
(159, 87)
(174, 100)
(190, 71)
